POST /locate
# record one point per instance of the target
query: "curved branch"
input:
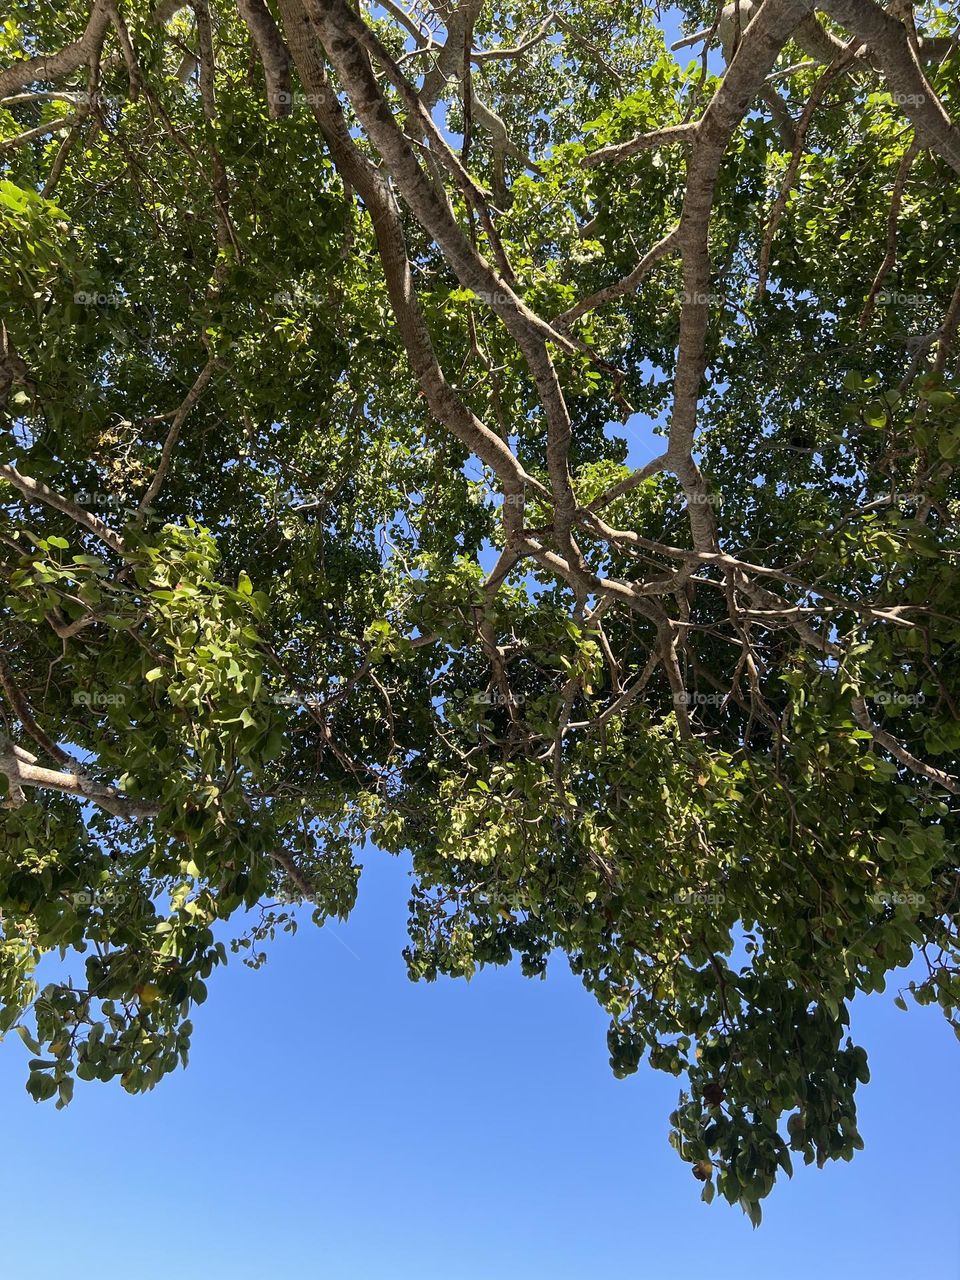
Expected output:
(896, 57)
(274, 55)
(22, 771)
(756, 54)
(37, 491)
(54, 65)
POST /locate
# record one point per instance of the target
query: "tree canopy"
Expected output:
(325, 334)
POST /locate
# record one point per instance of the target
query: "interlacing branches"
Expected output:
(376, 113)
(329, 336)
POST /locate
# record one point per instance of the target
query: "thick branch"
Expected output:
(274, 56)
(895, 55)
(37, 491)
(21, 772)
(45, 67)
(443, 400)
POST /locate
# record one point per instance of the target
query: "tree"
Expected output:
(323, 332)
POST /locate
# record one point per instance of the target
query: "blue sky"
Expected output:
(337, 1120)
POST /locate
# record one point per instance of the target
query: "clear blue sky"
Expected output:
(338, 1121)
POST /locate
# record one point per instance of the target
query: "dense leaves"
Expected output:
(323, 525)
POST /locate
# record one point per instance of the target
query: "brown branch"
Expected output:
(347, 40)
(46, 67)
(890, 257)
(21, 709)
(458, 20)
(60, 160)
(444, 402)
(758, 50)
(651, 468)
(896, 57)
(786, 184)
(491, 55)
(621, 288)
(41, 131)
(294, 874)
(37, 491)
(617, 152)
(21, 771)
(273, 53)
(134, 76)
(899, 752)
(207, 80)
(166, 456)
